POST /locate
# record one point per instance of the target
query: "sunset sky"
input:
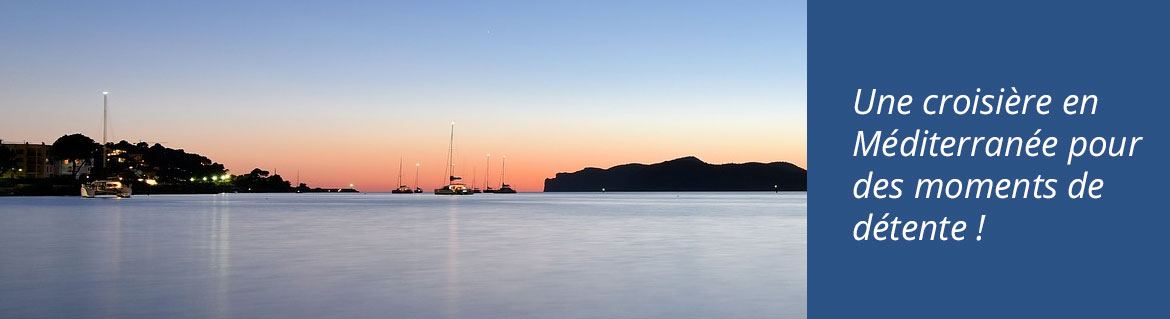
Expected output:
(340, 91)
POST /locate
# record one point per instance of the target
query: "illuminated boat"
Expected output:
(105, 186)
(454, 186)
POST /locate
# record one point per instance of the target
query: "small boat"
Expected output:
(474, 190)
(417, 190)
(454, 186)
(106, 187)
(402, 189)
(504, 187)
(487, 183)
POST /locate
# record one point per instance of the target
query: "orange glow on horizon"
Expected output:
(531, 158)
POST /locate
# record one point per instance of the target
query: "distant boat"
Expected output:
(453, 187)
(473, 188)
(416, 188)
(110, 186)
(402, 189)
(487, 183)
(504, 187)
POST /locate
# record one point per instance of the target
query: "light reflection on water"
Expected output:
(677, 255)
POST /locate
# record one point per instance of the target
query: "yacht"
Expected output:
(105, 187)
(109, 186)
(402, 188)
(454, 186)
(504, 187)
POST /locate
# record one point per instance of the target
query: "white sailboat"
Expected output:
(454, 186)
(112, 186)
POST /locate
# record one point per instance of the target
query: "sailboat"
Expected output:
(504, 187)
(109, 186)
(454, 186)
(416, 188)
(473, 177)
(402, 188)
(487, 183)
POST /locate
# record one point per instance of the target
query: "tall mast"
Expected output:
(503, 169)
(105, 116)
(450, 154)
(416, 175)
(487, 176)
(399, 171)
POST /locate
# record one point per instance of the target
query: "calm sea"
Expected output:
(585, 255)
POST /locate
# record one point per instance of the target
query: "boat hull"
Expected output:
(505, 191)
(443, 191)
(100, 188)
(402, 190)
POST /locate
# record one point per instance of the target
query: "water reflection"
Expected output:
(219, 237)
(360, 256)
(451, 290)
(111, 261)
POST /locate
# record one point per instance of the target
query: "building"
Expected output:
(32, 161)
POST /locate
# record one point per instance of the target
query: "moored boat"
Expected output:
(105, 186)
(504, 187)
(454, 186)
(402, 189)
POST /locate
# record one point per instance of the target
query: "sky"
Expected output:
(338, 92)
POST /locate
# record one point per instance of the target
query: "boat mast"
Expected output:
(487, 175)
(416, 175)
(399, 171)
(105, 116)
(451, 154)
(503, 169)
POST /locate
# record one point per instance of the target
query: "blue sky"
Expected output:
(641, 80)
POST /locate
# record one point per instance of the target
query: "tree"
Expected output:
(74, 148)
(7, 159)
(256, 172)
(260, 181)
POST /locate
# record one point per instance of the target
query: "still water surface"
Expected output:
(611, 255)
